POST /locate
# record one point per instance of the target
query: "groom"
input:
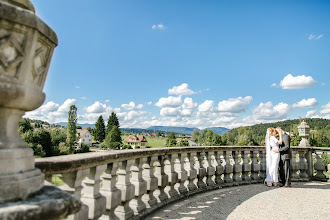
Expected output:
(285, 155)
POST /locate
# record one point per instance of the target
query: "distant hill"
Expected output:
(82, 125)
(185, 130)
(255, 135)
(162, 129)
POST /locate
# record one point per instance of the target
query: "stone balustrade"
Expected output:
(128, 184)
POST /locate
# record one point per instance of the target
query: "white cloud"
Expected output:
(305, 103)
(159, 27)
(186, 112)
(327, 116)
(170, 112)
(65, 107)
(189, 104)
(133, 115)
(325, 109)
(267, 111)
(107, 100)
(181, 90)
(84, 98)
(297, 82)
(97, 107)
(77, 87)
(49, 107)
(311, 114)
(315, 37)
(52, 112)
(235, 105)
(206, 106)
(274, 85)
(149, 103)
(169, 102)
(131, 106)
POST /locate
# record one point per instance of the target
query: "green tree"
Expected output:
(209, 138)
(58, 135)
(183, 143)
(99, 131)
(71, 126)
(37, 150)
(158, 134)
(171, 140)
(64, 150)
(83, 148)
(24, 125)
(112, 121)
(43, 138)
(113, 139)
(194, 136)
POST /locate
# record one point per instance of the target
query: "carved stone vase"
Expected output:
(26, 48)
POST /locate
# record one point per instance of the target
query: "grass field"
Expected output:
(153, 142)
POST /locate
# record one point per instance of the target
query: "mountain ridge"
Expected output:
(175, 129)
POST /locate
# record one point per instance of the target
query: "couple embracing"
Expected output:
(278, 156)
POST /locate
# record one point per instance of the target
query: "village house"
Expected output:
(84, 136)
(136, 140)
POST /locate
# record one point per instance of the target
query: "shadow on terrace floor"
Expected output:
(255, 201)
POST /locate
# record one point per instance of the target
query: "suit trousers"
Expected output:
(285, 172)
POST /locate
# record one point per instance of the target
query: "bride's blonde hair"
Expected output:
(272, 132)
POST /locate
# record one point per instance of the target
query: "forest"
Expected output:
(255, 135)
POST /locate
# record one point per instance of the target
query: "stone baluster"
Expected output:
(172, 176)
(255, 168)
(91, 192)
(219, 168)
(319, 166)
(228, 169)
(110, 191)
(303, 165)
(246, 168)
(237, 168)
(160, 174)
(210, 170)
(262, 155)
(123, 211)
(201, 171)
(192, 172)
(309, 158)
(140, 186)
(73, 185)
(294, 166)
(152, 182)
(48, 180)
(182, 173)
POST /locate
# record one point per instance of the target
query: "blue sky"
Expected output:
(187, 63)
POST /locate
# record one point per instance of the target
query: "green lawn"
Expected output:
(153, 142)
(57, 180)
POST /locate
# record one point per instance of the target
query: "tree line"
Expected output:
(53, 140)
(108, 136)
(255, 135)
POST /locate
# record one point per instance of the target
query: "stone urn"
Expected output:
(303, 130)
(26, 48)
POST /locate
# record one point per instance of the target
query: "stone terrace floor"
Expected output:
(309, 200)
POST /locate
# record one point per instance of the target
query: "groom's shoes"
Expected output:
(280, 184)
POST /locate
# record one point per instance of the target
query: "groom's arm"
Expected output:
(286, 143)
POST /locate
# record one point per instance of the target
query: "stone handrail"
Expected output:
(136, 182)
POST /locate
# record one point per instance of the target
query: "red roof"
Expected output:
(138, 139)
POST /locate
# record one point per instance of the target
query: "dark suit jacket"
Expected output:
(285, 147)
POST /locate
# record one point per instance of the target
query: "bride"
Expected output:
(272, 156)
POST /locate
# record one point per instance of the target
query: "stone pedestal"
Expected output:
(26, 48)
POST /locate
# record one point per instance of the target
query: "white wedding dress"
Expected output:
(272, 159)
